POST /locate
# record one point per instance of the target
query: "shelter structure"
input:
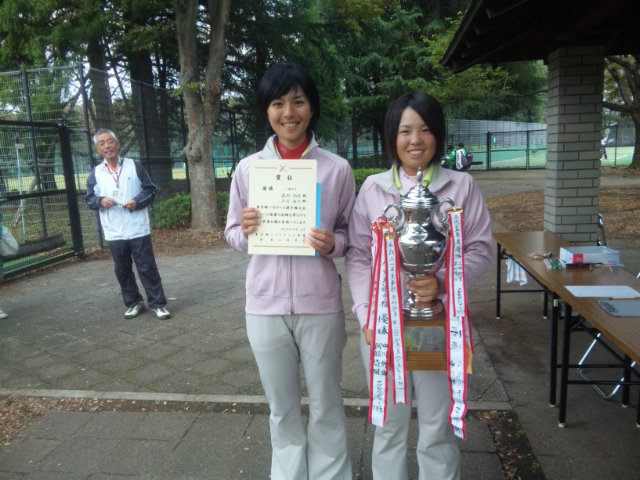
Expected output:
(572, 37)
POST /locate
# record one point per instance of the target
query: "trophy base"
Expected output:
(422, 309)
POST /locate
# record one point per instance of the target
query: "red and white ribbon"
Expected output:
(384, 317)
(458, 329)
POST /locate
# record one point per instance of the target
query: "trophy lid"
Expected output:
(419, 196)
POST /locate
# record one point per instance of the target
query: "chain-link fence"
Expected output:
(618, 142)
(148, 121)
(495, 144)
(41, 205)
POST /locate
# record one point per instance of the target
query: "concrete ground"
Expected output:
(66, 336)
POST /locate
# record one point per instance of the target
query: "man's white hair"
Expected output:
(100, 131)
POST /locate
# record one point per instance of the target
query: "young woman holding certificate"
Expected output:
(294, 310)
(415, 133)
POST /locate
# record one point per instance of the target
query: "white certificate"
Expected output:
(609, 291)
(287, 196)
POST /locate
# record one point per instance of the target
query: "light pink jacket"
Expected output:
(380, 190)
(285, 285)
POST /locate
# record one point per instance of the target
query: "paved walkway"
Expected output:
(66, 337)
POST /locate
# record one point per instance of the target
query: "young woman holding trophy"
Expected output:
(415, 134)
(294, 310)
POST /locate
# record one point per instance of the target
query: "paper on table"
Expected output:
(608, 291)
(285, 193)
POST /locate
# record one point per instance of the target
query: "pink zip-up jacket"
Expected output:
(378, 191)
(287, 285)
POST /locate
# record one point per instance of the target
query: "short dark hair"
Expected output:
(280, 80)
(429, 110)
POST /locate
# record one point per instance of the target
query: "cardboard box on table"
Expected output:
(576, 255)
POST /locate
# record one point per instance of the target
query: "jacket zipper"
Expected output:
(291, 284)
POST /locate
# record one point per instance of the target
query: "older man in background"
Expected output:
(121, 190)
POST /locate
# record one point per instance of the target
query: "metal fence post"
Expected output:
(488, 151)
(527, 149)
(615, 148)
(71, 190)
(34, 151)
(92, 160)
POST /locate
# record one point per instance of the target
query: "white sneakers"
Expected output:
(162, 313)
(134, 311)
(3, 315)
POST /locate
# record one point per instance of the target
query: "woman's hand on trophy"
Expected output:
(368, 334)
(321, 240)
(250, 221)
(425, 288)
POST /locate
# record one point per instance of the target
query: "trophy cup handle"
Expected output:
(442, 217)
(399, 219)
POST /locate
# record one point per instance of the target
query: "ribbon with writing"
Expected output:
(458, 329)
(384, 318)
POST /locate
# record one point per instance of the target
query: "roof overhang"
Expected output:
(500, 31)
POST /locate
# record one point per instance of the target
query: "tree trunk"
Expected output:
(157, 156)
(343, 141)
(635, 161)
(100, 93)
(46, 163)
(383, 142)
(260, 135)
(201, 103)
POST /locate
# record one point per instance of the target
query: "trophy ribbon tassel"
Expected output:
(458, 328)
(384, 318)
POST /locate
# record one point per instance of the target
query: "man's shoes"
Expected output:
(161, 312)
(3, 315)
(134, 311)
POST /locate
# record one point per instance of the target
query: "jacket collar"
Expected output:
(270, 152)
(105, 163)
(439, 179)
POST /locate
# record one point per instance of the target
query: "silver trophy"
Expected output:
(421, 241)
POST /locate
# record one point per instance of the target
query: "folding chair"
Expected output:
(601, 242)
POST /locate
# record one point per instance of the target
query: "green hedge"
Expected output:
(360, 174)
(175, 212)
(222, 198)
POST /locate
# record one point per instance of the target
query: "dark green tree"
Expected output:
(622, 93)
(262, 33)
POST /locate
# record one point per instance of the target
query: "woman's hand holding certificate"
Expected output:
(320, 239)
(250, 221)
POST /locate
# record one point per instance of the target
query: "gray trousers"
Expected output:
(437, 450)
(280, 345)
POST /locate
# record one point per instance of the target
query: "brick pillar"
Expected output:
(574, 122)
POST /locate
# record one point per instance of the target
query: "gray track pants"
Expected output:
(280, 345)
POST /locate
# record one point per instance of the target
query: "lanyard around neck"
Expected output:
(116, 178)
(426, 179)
